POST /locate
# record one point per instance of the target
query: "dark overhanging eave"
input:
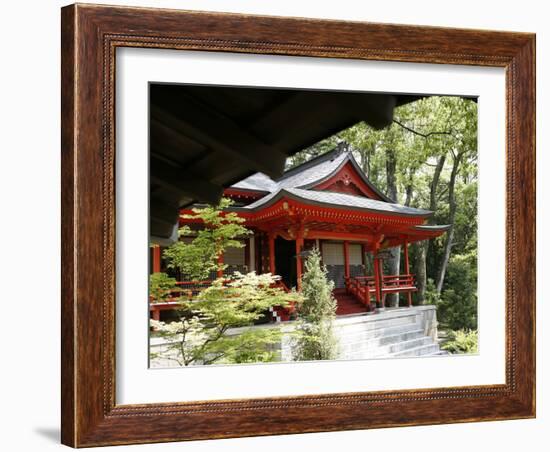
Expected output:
(187, 140)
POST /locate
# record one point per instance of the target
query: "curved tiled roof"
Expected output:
(307, 175)
(333, 199)
(257, 182)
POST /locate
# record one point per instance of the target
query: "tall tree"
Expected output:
(315, 338)
(393, 262)
(423, 247)
(457, 157)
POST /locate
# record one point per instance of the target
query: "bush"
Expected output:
(203, 336)
(432, 297)
(457, 308)
(160, 287)
(197, 259)
(461, 341)
(315, 336)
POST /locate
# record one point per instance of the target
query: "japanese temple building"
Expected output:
(328, 203)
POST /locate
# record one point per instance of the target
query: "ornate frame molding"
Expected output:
(90, 37)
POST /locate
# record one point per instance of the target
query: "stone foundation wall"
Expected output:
(394, 332)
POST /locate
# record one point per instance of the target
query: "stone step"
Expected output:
(395, 338)
(358, 350)
(391, 333)
(382, 336)
(402, 346)
(360, 324)
(424, 350)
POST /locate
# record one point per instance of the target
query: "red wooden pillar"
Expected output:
(406, 252)
(377, 280)
(346, 259)
(220, 263)
(381, 283)
(407, 271)
(271, 241)
(156, 259)
(299, 246)
(155, 313)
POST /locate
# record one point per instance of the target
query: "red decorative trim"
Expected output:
(232, 192)
(287, 207)
(347, 187)
(347, 180)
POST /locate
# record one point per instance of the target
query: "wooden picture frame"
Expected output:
(90, 36)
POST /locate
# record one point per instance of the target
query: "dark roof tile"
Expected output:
(334, 199)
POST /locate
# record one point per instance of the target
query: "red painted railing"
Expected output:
(364, 287)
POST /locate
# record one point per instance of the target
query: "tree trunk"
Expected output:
(365, 161)
(420, 271)
(435, 182)
(444, 260)
(409, 189)
(393, 262)
(423, 247)
(450, 233)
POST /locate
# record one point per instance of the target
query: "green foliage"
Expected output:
(318, 304)
(199, 258)
(457, 308)
(160, 287)
(423, 133)
(252, 346)
(461, 341)
(315, 339)
(432, 297)
(205, 335)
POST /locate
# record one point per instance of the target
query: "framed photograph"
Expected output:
(282, 225)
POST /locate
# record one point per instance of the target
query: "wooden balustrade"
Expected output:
(364, 287)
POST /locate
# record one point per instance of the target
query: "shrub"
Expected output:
(457, 309)
(197, 259)
(202, 336)
(315, 339)
(160, 287)
(461, 341)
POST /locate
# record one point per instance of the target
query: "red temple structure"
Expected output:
(328, 203)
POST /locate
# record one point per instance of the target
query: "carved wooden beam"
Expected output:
(178, 179)
(218, 132)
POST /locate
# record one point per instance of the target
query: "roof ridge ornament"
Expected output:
(342, 147)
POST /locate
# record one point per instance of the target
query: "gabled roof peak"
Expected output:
(310, 174)
(327, 156)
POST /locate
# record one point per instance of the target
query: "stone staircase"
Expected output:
(399, 332)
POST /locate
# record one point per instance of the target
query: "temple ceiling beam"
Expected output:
(215, 131)
(170, 176)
